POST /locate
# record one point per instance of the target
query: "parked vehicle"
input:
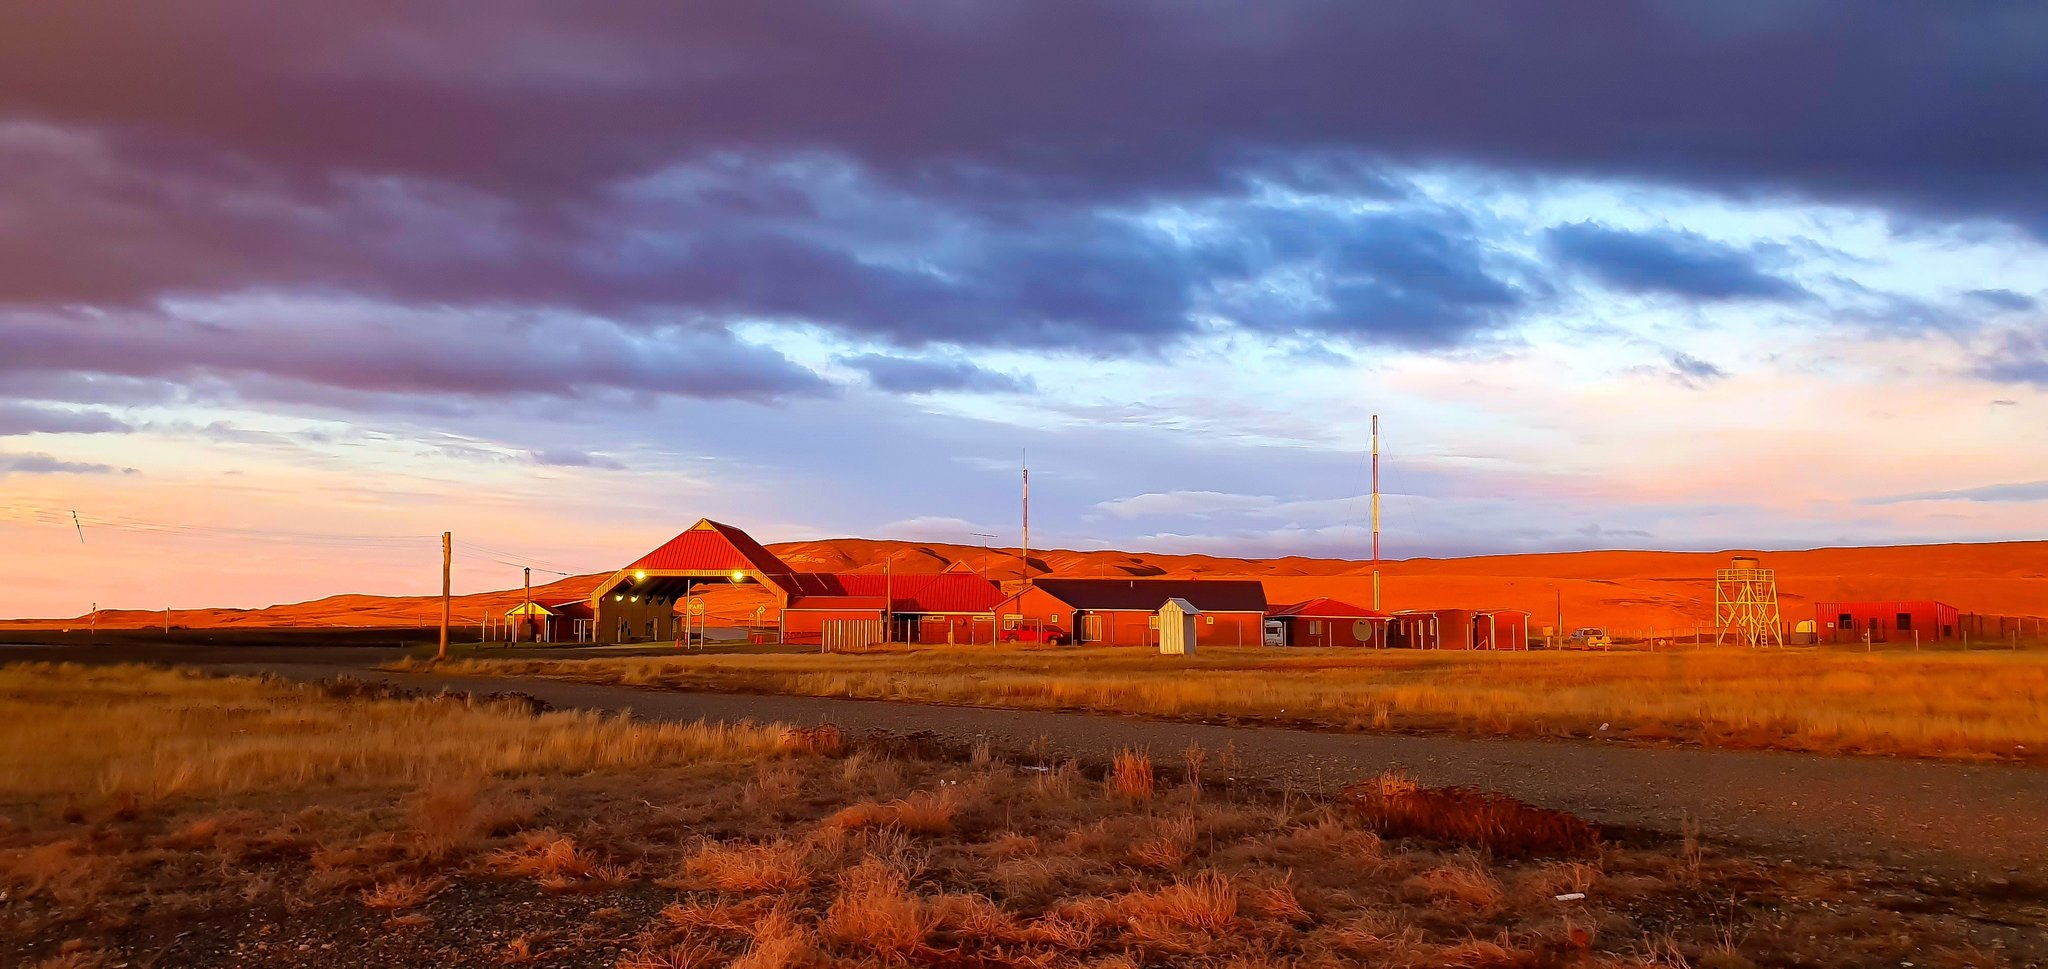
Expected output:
(1590, 637)
(1047, 634)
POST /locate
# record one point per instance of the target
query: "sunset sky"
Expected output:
(286, 291)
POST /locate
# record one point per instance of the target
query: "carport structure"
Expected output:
(637, 602)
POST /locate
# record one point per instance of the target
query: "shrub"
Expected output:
(1396, 805)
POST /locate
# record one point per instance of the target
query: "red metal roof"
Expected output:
(847, 603)
(1147, 595)
(715, 547)
(941, 592)
(1327, 608)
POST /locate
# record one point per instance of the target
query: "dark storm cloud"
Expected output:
(1668, 261)
(1927, 107)
(973, 175)
(19, 418)
(915, 375)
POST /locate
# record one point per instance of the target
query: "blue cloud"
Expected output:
(2004, 299)
(922, 375)
(1669, 261)
(2020, 491)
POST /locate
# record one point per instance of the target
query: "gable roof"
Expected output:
(1147, 595)
(710, 546)
(1324, 607)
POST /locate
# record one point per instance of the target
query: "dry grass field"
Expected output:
(153, 818)
(1986, 706)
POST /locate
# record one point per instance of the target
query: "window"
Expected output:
(1012, 621)
(1905, 623)
(1845, 621)
(1315, 625)
(1152, 621)
(1091, 628)
(1209, 620)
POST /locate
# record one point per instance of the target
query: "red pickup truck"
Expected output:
(1048, 634)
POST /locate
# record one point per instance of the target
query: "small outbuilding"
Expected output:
(1327, 622)
(1177, 633)
(1887, 621)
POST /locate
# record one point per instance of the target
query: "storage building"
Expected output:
(1887, 621)
(1125, 612)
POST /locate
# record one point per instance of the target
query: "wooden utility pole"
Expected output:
(525, 613)
(167, 620)
(447, 562)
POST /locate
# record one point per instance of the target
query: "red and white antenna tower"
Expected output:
(1376, 512)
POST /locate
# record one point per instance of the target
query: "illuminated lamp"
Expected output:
(739, 576)
(619, 598)
(640, 576)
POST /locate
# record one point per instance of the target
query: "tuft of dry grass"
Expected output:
(1932, 704)
(154, 733)
(776, 866)
(1461, 884)
(875, 911)
(1130, 775)
(402, 893)
(775, 784)
(1207, 902)
(555, 861)
(923, 812)
(1171, 842)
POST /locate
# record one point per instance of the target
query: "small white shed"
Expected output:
(1177, 627)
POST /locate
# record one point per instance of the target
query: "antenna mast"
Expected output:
(1024, 550)
(1376, 512)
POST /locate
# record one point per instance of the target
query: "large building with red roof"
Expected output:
(637, 603)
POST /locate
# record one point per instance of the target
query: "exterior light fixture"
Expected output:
(739, 576)
(618, 598)
(636, 598)
(640, 576)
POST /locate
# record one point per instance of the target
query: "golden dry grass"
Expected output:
(1971, 706)
(151, 733)
(892, 854)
